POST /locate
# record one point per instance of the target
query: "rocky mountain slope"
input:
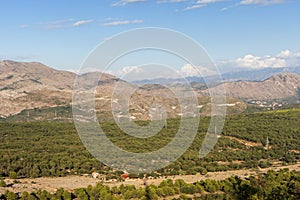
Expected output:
(279, 86)
(33, 86)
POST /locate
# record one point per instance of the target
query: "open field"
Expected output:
(70, 183)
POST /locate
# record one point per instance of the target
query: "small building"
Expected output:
(124, 176)
(96, 175)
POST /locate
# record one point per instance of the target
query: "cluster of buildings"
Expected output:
(267, 104)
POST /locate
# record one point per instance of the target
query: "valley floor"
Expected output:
(70, 183)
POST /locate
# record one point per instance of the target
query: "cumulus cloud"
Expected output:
(129, 69)
(123, 22)
(251, 61)
(261, 2)
(190, 70)
(132, 73)
(125, 2)
(285, 58)
(288, 54)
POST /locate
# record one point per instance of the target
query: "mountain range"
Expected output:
(235, 75)
(280, 86)
(32, 85)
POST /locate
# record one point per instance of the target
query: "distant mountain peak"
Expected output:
(279, 86)
(286, 76)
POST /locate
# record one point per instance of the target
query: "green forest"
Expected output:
(35, 149)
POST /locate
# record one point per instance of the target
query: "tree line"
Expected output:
(271, 185)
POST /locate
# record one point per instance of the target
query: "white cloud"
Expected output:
(288, 54)
(190, 70)
(62, 23)
(261, 2)
(207, 1)
(110, 19)
(251, 61)
(131, 73)
(195, 7)
(24, 26)
(129, 69)
(123, 22)
(170, 1)
(285, 58)
(82, 22)
(254, 2)
(125, 2)
(201, 4)
(65, 23)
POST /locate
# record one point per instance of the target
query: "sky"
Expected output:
(235, 33)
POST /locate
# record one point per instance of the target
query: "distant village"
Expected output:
(272, 104)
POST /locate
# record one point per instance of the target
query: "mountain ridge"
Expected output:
(31, 85)
(279, 86)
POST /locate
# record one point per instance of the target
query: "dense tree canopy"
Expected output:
(54, 149)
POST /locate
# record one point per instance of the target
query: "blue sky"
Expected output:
(239, 33)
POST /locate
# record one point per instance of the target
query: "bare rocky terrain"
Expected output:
(276, 87)
(32, 85)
